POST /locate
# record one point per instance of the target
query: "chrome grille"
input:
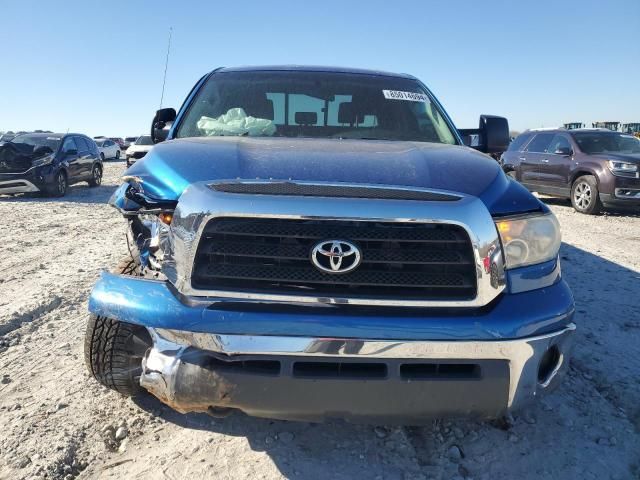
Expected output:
(399, 260)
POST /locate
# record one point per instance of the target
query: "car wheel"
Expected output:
(585, 196)
(512, 174)
(96, 176)
(102, 156)
(59, 187)
(117, 154)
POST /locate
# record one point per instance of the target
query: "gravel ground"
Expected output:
(56, 422)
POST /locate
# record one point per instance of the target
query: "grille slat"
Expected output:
(295, 252)
(399, 260)
(407, 233)
(307, 275)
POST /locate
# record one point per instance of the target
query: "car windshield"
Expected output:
(131, 139)
(605, 142)
(315, 104)
(38, 141)
(144, 140)
(99, 142)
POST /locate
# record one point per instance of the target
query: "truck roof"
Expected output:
(312, 68)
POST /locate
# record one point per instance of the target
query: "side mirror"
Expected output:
(491, 136)
(564, 151)
(161, 124)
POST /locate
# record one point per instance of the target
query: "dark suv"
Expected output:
(594, 167)
(48, 162)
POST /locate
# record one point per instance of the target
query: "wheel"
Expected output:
(59, 187)
(113, 353)
(102, 156)
(117, 154)
(96, 176)
(512, 174)
(113, 350)
(584, 195)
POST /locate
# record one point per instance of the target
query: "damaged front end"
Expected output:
(148, 225)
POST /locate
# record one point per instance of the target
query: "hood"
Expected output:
(171, 166)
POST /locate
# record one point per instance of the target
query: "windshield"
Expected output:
(597, 142)
(315, 104)
(144, 140)
(99, 142)
(38, 141)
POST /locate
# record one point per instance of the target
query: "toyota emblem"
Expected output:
(335, 256)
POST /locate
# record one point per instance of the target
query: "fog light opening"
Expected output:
(549, 365)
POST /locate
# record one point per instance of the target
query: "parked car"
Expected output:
(48, 163)
(108, 149)
(318, 242)
(119, 141)
(595, 168)
(128, 141)
(138, 149)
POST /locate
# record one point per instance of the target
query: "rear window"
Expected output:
(519, 142)
(540, 143)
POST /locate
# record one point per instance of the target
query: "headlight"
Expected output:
(623, 169)
(42, 161)
(159, 230)
(529, 240)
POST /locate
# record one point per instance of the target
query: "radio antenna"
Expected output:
(166, 64)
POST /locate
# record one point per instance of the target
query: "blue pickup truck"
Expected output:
(310, 243)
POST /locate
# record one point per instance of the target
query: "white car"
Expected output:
(138, 149)
(108, 148)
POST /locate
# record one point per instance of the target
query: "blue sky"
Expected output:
(96, 67)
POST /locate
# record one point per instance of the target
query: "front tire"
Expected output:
(113, 353)
(102, 156)
(113, 350)
(585, 196)
(60, 185)
(512, 174)
(96, 176)
(117, 154)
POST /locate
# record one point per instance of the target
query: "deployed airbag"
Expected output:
(236, 122)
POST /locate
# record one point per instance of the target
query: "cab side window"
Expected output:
(540, 143)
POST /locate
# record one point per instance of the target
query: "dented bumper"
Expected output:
(363, 381)
(365, 365)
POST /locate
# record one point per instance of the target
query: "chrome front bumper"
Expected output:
(190, 372)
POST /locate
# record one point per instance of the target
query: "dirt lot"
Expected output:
(56, 422)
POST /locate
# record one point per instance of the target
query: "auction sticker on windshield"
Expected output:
(410, 96)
